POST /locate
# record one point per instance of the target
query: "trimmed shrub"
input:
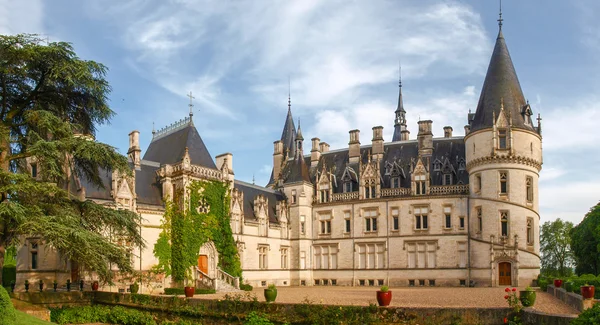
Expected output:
(245, 287)
(101, 314)
(543, 283)
(7, 310)
(181, 291)
(9, 273)
(590, 316)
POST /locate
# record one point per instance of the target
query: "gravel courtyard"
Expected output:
(405, 297)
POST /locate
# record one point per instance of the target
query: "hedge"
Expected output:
(7, 310)
(181, 291)
(9, 273)
(101, 314)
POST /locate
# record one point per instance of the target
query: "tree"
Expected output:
(585, 242)
(51, 103)
(555, 247)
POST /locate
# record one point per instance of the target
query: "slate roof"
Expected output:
(251, 191)
(147, 185)
(288, 136)
(296, 170)
(169, 149)
(92, 191)
(501, 84)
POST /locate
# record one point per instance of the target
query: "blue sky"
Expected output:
(342, 58)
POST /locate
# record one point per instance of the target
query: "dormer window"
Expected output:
(420, 185)
(461, 165)
(370, 191)
(502, 139)
(347, 187)
(324, 196)
(437, 166)
(395, 182)
(447, 180)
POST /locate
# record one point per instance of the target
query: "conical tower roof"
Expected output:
(288, 136)
(501, 85)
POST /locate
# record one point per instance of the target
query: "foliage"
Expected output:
(245, 287)
(49, 98)
(555, 248)
(590, 316)
(543, 283)
(101, 314)
(254, 318)
(585, 243)
(512, 298)
(9, 274)
(272, 286)
(180, 291)
(185, 231)
(384, 289)
(7, 310)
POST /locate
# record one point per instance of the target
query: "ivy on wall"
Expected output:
(184, 231)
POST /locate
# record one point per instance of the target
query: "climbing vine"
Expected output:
(205, 218)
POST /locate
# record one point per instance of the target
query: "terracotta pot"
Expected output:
(527, 298)
(384, 298)
(558, 283)
(95, 286)
(588, 292)
(189, 291)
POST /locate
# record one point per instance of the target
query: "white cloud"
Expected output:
(23, 16)
(568, 201)
(564, 126)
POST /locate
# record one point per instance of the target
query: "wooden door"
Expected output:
(203, 263)
(74, 272)
(504, 274)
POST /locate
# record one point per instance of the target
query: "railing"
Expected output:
(203, 280)
(401, 191)
(228, 278)
(199, 171)
(449, 189)
(344, 196)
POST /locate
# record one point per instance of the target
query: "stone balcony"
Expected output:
(402, 192)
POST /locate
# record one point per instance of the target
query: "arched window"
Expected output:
(529, 231)
(504, 222)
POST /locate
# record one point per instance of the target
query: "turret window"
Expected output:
(503, 183)
(502, 142)
(302, 225)
(504, 223)
(479, 219)
(529, 231)
(529, 186)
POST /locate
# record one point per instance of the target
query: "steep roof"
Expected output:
(288, 136)
(501, 85)
(168, 147)
(251, 191)
(296, 170)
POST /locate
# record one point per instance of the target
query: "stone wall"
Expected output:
(572, 299)
(531, 316)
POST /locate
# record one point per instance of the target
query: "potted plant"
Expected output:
(134, 288)
(55, 285)
(527, 297)
(384, 296)
(270, 293)
(68, 285)
(81, 285)
(26, 285)
(41, 284)
(558, 283)
(587, 291)
(12, 285)
(95, 286)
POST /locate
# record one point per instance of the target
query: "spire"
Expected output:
(288, 136)
(299, 133)
(501, 88)
(400, 113)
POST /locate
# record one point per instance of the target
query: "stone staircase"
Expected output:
(223, 282)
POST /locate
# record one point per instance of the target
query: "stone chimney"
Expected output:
(447, 132)
(425, 138)
(354, 150)
(225, 158)
(324, 146)
(315, 152)
(134, 152)
(377, 142)
(467, 129)
(277, 158)
(404, 135)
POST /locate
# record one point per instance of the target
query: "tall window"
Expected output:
(503, 182)
(395, 219)
(324, 196)
(370, 192)
(395, 182)
(326, 256)
(461, 222)
(504, 223)
(370, 220)
(502, 139)
(294, 197)
(34, 170)
(284, 257)
(347, 222)
(447, 179)
(477, 183)
(448, 217)
(262, 226)
(33, 250)
(263, 252)
(302, 260)
(529, 231)
(479, 219)
(302, 225)
(420, 184)
(462, 254)
(347, 187)
(421, 254)
(325, 224)
(421, 218)
(371, 255)
(529, 185)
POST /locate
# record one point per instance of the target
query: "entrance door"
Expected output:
(203, 263)
(504, 277)
(74, 271)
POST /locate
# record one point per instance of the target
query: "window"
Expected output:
(34, 170)
(370, 192)
(284, 257)
(420, 185)
(447, 179)
(347, 187)
(504, 223)
(361, 283)
(370, 221)
(529, 185)
(421, 254)
(479, 219)
(325, 224)
(503, 182)
(347, 221)
(502, 139)
(262, 226)
(262, 257)
(395, 219)
(324, 196)
(477, 183)
(421, 283)
(302, 260)
(463, 283)
(33, 249)
(302, 225)
(432, 283)
(529, 231)
(294, 197)
(437, 165)
(370, 256)
(448, 215)
(326, 256)
(421, 218)
(411, 283)
(462, 254)
(461, 222)
(395, 182)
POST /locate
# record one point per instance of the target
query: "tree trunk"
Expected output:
(2, 252)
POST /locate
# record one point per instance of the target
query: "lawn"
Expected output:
(24, 319)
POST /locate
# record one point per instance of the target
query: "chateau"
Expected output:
(424, 211)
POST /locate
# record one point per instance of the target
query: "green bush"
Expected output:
(590, 316)
(7, 310)
(254, 318)
(543, 283)
(246, 287)
(101, 314)
(9, 273)
(181, 291)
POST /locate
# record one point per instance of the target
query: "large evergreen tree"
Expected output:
(51, 103)
(585, 242)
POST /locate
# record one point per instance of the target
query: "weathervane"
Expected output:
(500, 20)
(191, 104)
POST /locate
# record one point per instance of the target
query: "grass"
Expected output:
(24, 319)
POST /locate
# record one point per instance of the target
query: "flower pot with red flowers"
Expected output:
(558, 283)
(587, 291)
(95, 286)
(527, 297)
(384, 296)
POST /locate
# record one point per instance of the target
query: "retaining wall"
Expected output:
(572, 299)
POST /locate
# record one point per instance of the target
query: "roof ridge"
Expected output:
(172, 128)
(258, 187)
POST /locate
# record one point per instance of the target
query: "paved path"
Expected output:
(405, 297)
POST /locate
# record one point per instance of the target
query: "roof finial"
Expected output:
(153, 129)
(289, 94)
(191, 104)
(500, 20)
(399, 74)
(253, 183)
